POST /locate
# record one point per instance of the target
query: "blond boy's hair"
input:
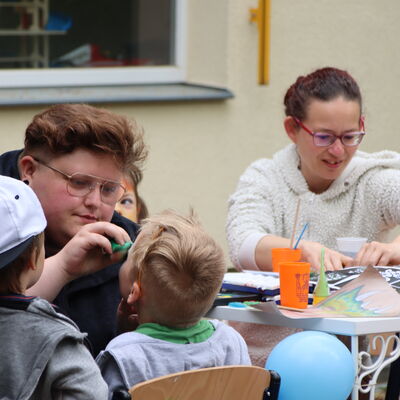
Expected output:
(179, 268)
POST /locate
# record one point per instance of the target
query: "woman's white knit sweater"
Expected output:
(363, 201)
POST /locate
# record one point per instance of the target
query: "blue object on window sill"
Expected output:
(58, 22)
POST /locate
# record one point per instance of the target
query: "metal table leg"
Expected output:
(368, 369)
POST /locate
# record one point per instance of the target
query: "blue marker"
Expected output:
(237, 304)
(301, 235)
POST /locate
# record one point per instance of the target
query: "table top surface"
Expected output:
(341, 326)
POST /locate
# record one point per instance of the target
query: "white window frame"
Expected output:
(64, 77)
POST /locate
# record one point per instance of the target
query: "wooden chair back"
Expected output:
(239, 382)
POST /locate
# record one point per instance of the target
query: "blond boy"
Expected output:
(170, 278)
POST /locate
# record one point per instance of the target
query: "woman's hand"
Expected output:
(311, 252)
(376, 253)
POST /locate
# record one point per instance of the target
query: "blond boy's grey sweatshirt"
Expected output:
(43, 355)
(133, 357)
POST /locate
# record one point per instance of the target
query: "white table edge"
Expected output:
(341, 326)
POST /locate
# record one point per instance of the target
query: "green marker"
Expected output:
(120, 247)
(321, 291)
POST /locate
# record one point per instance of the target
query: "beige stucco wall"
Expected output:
(199, 149)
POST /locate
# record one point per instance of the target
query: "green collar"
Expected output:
(195, 334)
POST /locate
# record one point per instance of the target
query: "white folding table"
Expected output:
(353, 327)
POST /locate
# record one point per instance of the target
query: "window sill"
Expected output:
(112, 94)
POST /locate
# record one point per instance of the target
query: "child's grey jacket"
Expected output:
(43, 355)
(133, 357)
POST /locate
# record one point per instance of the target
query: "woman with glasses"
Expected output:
(75, 158)
(342, 191)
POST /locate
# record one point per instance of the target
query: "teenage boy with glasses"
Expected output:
(74, 158)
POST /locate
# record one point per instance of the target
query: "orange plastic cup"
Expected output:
(282, 254)
(294, 281)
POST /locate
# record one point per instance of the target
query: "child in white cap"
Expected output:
(43, 355)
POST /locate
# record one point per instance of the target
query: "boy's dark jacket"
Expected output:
(91, 301)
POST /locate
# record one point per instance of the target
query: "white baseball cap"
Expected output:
(21, 218)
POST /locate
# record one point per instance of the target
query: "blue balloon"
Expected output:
(312, 366)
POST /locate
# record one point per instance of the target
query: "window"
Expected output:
(91, 42)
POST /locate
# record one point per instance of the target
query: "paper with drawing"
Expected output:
(369, 295)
